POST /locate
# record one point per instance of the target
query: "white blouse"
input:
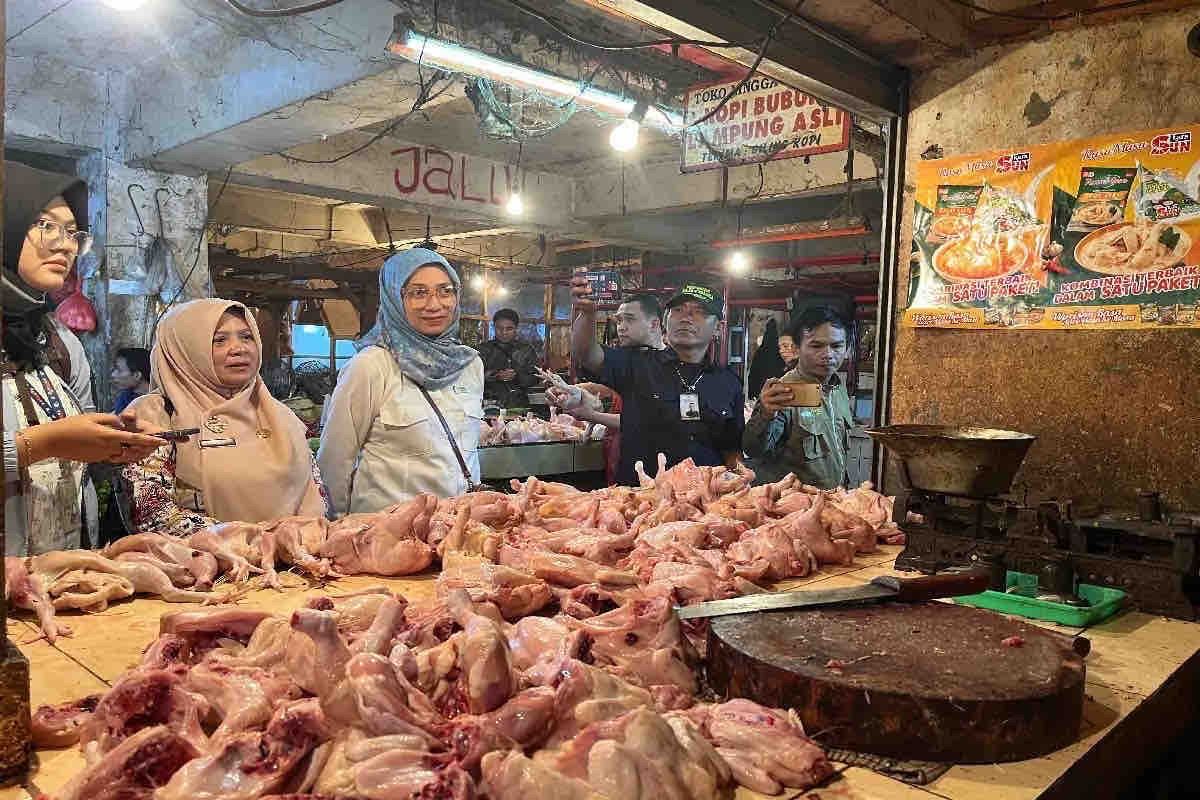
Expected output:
(42, 511)
(382, 444)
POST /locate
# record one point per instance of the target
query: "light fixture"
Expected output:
(739, 262)
(624, 137)
(124, 5)
(426, 50)
(501, 291)
(478, 282)
(515, 205)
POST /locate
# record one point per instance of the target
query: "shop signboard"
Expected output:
(1098, 233)
(764, 120)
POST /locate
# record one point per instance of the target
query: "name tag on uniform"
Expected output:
(689, 406)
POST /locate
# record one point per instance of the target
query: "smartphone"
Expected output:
(804, 393)
(604, 286)
(177, 435)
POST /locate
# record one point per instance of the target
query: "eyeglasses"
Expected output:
(50, 234)
(421, 294)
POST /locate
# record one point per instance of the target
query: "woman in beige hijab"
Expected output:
(250, 462)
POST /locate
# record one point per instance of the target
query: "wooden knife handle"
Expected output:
(932, 587)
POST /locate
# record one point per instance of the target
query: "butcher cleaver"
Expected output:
(887, 587)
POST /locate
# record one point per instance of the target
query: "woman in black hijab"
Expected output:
(767, 363)
(46, 381)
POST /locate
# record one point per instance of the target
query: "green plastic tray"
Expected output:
(1104, 602)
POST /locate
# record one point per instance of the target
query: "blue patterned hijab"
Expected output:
(432, 362)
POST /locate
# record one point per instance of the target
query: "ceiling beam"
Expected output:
(802, 55)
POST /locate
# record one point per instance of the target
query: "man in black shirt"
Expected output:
(509, 364)
(674, 401)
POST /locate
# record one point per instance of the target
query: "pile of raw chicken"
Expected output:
(530, 428)
(550, 662)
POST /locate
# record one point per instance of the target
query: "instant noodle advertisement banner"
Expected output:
(1088, 234)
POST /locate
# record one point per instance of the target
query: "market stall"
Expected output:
(1141, 671)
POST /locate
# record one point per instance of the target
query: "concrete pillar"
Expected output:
(118, 275)
(14, 667)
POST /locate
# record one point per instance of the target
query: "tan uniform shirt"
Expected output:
(382, 444)
(811, 442)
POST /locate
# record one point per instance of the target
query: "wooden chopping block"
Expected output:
(920, 681)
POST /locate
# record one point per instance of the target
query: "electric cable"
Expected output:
(278, 13)
(574, 37)
(1050, 17)
(200, 239)
(758, 59)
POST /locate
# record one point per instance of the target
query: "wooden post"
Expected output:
(485, 331)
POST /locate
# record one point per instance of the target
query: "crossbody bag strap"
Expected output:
(25, 397)
(462, 462)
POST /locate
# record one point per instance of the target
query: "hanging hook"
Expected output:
(158, 209)
(133, 204)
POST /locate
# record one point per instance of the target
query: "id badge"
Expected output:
(689, 406)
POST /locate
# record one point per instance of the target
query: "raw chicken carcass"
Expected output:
(58, 725)
(142, 576)
(87, 590)
(522, 723)
(402, 774)
(843, 525)
(293, 538)
(23, 589)
(564, 570)
(200, 565)
(595, 545)
(244, 697)
(392, 544)
(806, 527)
(768, 553)
(585, 695)
(515, 592)
(202, 630)
(143, 698)
(483, 656)
(251, 764)
(533, 638)
(766, 749)
(387, 703)
(639, 756)
(513, 776)
(642, 642)
(867, 503)
(134, 769)
(237, 547)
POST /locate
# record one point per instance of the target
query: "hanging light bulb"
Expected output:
(739, 262)
(501, 291)
(624, 137)
(478, 282)
(515, 206)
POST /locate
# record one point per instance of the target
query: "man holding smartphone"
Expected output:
(510, 365)
(811, 442)
(675, 401)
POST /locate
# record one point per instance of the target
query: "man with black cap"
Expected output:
(675, 401)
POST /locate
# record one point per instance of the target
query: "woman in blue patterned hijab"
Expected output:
(411, 319)
(406, 414)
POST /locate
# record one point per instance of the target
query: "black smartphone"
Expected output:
(604, 286)
(177, 435)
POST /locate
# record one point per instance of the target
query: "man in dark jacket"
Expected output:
(508, 363)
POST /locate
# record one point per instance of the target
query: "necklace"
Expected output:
(692, 386)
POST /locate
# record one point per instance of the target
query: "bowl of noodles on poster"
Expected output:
(1127, 248)
(1002, 239)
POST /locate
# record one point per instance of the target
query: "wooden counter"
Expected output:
(1142, 676)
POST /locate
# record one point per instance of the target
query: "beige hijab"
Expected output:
(268, 473)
